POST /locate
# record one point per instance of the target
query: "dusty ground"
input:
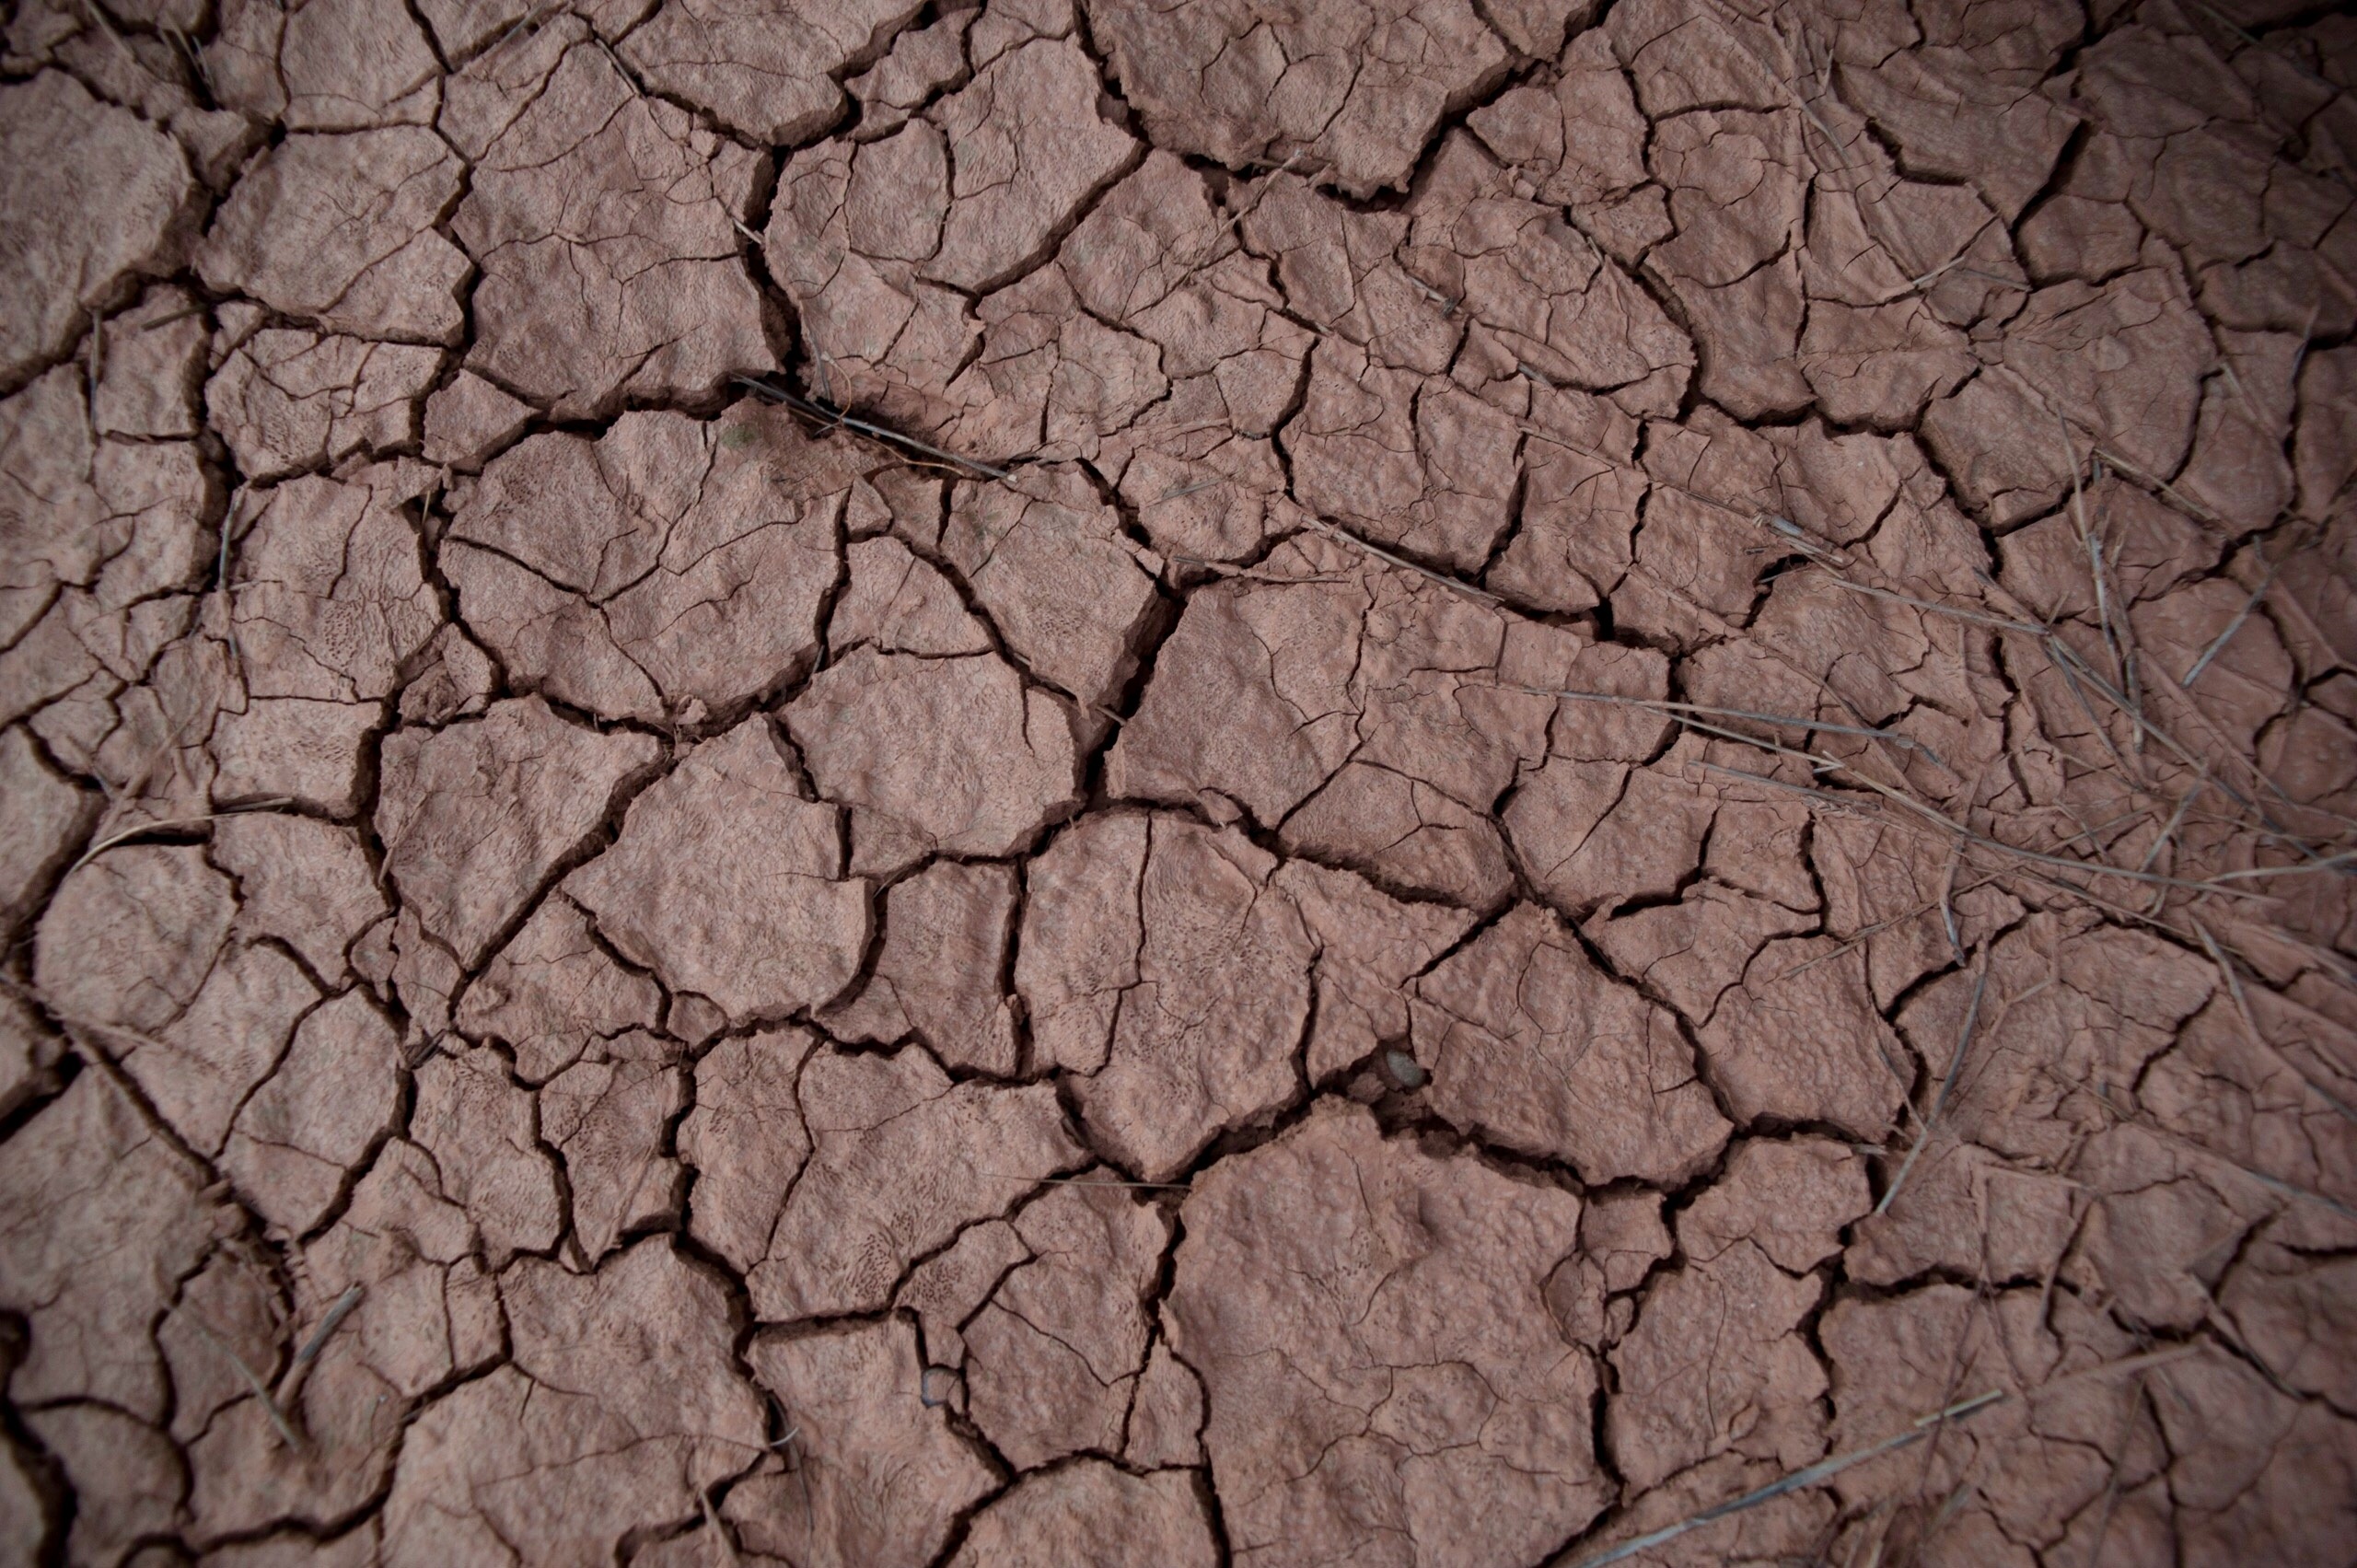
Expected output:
(1539, 764)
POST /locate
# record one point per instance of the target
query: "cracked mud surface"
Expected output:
(1535, 759)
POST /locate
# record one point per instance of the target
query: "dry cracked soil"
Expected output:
(1407, 784)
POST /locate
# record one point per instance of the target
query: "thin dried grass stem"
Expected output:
(2119, 1464)
(2324, 863)
(1947, 1087)
(2087, 541)
(336, 1315)
(291, 1383)
(1823, 1470)
(2003, 623)
(1783, 721)
(98, 19)
(277, 1417)
(529, 20)
(2176, 821)
(836, 417)
(1085, 1182)
(711, 1523)
(1480, 595)
(2258, 1040)
(1236, 220)
(1882, 926)
(1257, 574)
(2272, 1183)
(2087, 834)
(98, 368)
(2074, 670)
(2069, 669)
(2061, 652)
(173, 825)
(1982, 841)
(620, 69)
(1947, 903)
(169, 316)
(2218, 644)
(2161, 488)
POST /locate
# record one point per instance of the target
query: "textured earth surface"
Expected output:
(1531, 761)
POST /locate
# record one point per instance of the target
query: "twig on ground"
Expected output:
(328, 1325)
(1447, 306)
(73, 1022)
(193, 56)
(1851, 804)
(1916, 284)
(2020, 285)
(2062, 653)
(529, 18)
(2075, 671)
(2070, 669)
(291, 1383)
(2227, 1329)
(1172, 432)
(2132, 671)
(1960, 1364)
(2227, 22)
(1947, 1087)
